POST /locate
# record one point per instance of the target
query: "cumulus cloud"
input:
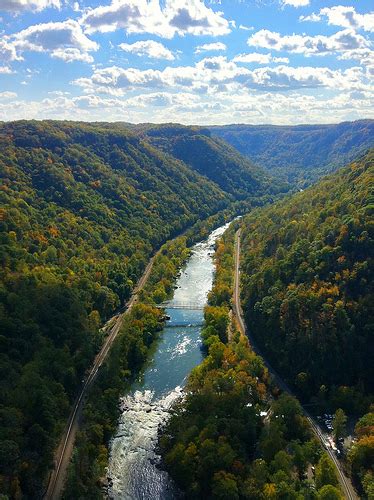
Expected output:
(64, 40)
(245, 106)
(309, 45)
(140, 16)
(256, 57)
(207, 47)
(7, 95)
(16, 6)
(286, 77)
(161, 99)
(71, 54)
(296, 3)
(8, 52)
(148, 48)
(218, 75)
(346, 17)
(313, 18)
(364, 56)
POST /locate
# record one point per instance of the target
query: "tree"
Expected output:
(272, 440)
(339, 424)
(361, 455)
(368, 484)
(325, 472)
(282, 461)
(329, 492)
(270, 491)
(224, 486)
(259, 472)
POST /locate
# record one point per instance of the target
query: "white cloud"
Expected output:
(5, 70)
(253, 57)
(246, 28)
(280, 60)
(207, 47)
(7, 95)
(8, 52)
(58, 93)
(364, 56)
(214, 75)
(77, 7)
(313, 18)
(149, 48)
(161, 99)
(246, 106)
(16, 6)
(140, 16)
(256, 57)
(347, 17)
(309, 45)
(296, 3)
(194, 18)
(52, 36)
(71, 54)
(64, 40)
(286, 77)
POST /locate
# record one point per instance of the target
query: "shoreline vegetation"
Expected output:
(232, 436)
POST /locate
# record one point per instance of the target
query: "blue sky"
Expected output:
(188, 61)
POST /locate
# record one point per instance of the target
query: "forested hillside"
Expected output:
(83, 208)
(211, 157)
(300, 154)
(307, 286)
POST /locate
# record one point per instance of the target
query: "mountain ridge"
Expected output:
(300, 154)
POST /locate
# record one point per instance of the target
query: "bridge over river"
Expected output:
(191, 306)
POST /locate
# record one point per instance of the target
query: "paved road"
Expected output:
(345, 482)
(65, 449)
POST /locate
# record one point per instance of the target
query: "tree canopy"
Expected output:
(307, 286)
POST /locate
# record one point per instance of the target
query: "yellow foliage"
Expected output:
(270, 490)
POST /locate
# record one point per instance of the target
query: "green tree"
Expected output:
(224, 486)
(326, 472)
(281, 462)
(329, 492)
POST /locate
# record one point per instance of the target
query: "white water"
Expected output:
(133, 463)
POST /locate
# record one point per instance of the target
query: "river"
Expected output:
(133, 460)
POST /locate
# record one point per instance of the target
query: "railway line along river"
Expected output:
(133, 462)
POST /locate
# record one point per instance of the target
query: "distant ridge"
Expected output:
(299, 154)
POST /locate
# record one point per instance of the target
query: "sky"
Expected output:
(188, 61)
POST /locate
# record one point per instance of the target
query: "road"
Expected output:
(345, 482)
(66, 446)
